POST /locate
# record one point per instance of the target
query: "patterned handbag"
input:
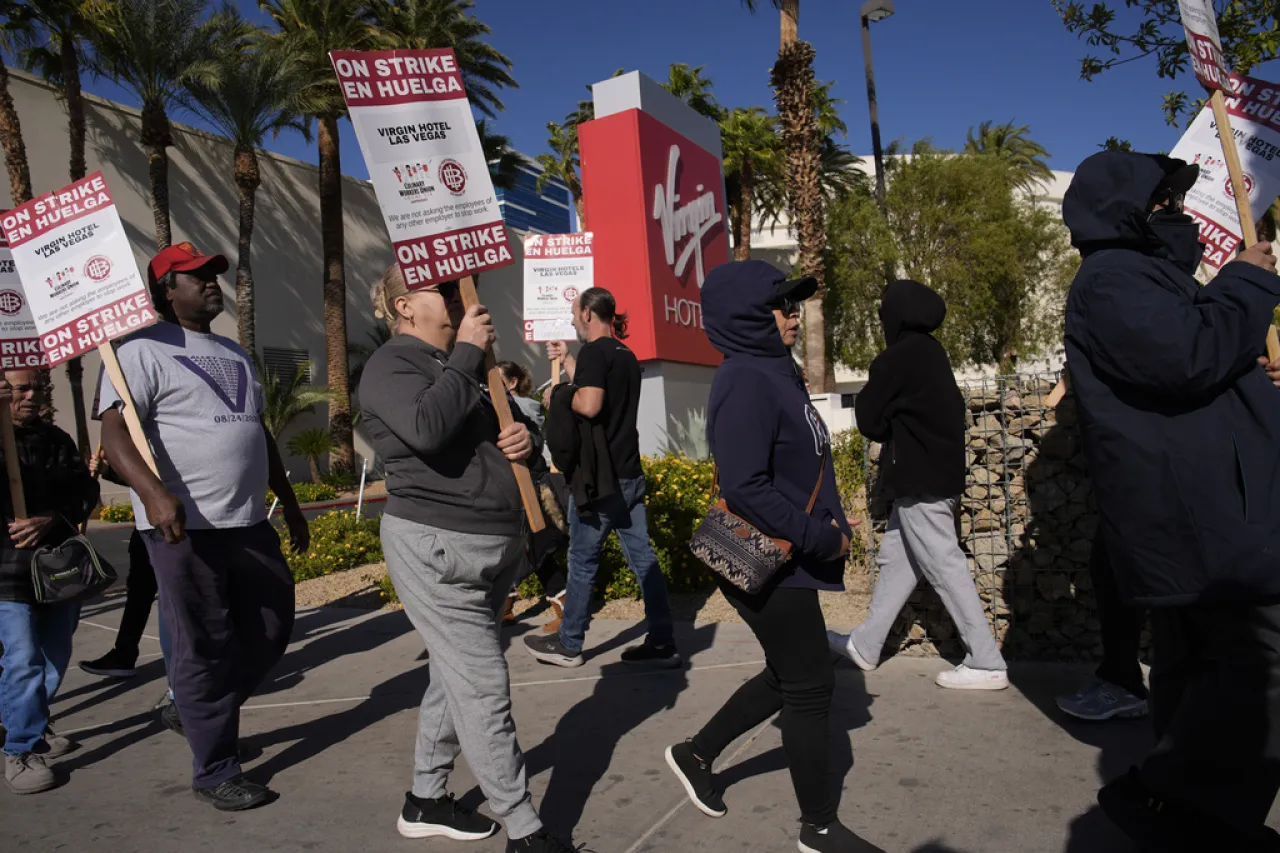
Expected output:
(735, 549)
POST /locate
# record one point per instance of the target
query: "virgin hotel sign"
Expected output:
(654, 188)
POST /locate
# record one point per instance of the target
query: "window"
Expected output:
(285, 363)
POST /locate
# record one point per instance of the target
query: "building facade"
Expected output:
(525, 209)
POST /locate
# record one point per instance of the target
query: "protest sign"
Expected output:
(77, 269)
(421, 147)
(1203, 43)
(19, 342)
(80, 280)
(557, 267)
(1254, 108)
(420, 144)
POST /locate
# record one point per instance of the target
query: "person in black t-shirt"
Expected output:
(606, 376)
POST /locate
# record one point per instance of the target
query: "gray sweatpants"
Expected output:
(454, 588)
(921, 542)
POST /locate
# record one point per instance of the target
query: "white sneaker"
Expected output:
(842, 645)
(964, 678)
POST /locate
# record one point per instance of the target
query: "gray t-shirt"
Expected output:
(201, 408)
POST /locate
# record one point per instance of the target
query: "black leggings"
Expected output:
(797, 679)
(1121, 625)
(141, 591)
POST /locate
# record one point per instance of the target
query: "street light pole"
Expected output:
(874, 10)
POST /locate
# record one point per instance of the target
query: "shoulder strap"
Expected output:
(822, 472)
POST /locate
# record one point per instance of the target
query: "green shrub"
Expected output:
(849, 454)
(340, 478)
(339, 541)
(307, 493)
(114, 513)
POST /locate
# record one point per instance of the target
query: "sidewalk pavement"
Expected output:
(334, 727)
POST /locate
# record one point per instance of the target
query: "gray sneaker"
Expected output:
(28, 774)
(1102, 700)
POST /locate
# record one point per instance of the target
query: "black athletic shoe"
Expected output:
(539, 842)
(170, 719)
(835, 837)
(233, 795)
(442, 818)
(114, 664)
(696, 776)
(548, 649)
(647, 655)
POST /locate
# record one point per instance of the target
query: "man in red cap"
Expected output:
(226, 591)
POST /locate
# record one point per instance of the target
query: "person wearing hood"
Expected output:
(771, 450)
(911, 403)
(1181, 430)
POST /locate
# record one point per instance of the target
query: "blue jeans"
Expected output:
(624, 513)
(37, 649)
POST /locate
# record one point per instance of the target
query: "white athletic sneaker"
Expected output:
(842, 645)
(964, 678)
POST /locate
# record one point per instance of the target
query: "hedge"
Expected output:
(339, 541)
(306, 493)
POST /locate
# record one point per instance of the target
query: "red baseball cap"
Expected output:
(183, 257)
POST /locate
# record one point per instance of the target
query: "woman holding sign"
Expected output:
(454, 538)
(59, 494)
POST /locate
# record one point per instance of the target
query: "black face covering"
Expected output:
(1179, 237)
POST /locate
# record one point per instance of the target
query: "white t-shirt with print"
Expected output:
(201, 407)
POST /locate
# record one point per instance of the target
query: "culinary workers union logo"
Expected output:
(10, 302)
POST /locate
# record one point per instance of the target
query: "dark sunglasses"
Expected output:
(448, 289)
(788, 307)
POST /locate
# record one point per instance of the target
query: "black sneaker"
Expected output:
(539, 842)
(171, 720)
(647, 655)
(696, 776)
(114, 664)
(835, 837)
(233, 795)
(548, 649)
(442, 818)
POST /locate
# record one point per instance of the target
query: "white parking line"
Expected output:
(114, 630)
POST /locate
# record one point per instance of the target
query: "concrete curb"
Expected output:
(312, 507)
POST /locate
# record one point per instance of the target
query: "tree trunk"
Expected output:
(581, 207)
(248, 179)
(15, 150)
(335, 294)
(792, 81)
(790, 22)
(72, 94)
(315, 468)
(156, 138)
(746, 205)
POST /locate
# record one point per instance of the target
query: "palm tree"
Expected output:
(426, 24)
(257, 90)
(54, 47)
(840, 173)
(563, 164)
(13, 30)
(504, 162)
(309, 29)
(156, 48)
(311, 444)
(692, 87)
(751, 152)
(286, 398)
(792, 80)
(1014, 145)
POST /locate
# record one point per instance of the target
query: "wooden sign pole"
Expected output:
(11, 464)
(555, 380)
(498, 395)
(1247, 228)
(111, 365)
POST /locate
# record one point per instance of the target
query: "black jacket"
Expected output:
(911, 400)
(1181, 425)
(580, 449)
(430, 419)
(54, 481)
(770, 445)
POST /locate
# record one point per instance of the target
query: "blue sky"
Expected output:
(941, 67)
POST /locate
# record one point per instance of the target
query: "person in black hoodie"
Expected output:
(771, 449)
(911, 403)
(1181, 432)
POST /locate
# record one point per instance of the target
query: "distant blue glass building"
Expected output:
(525, 209)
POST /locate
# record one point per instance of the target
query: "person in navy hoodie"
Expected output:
(771, 447)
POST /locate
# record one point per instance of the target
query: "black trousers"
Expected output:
(140, 592)
(229, 608)
(797, 679)
(1215, 698)
(1121, 625)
